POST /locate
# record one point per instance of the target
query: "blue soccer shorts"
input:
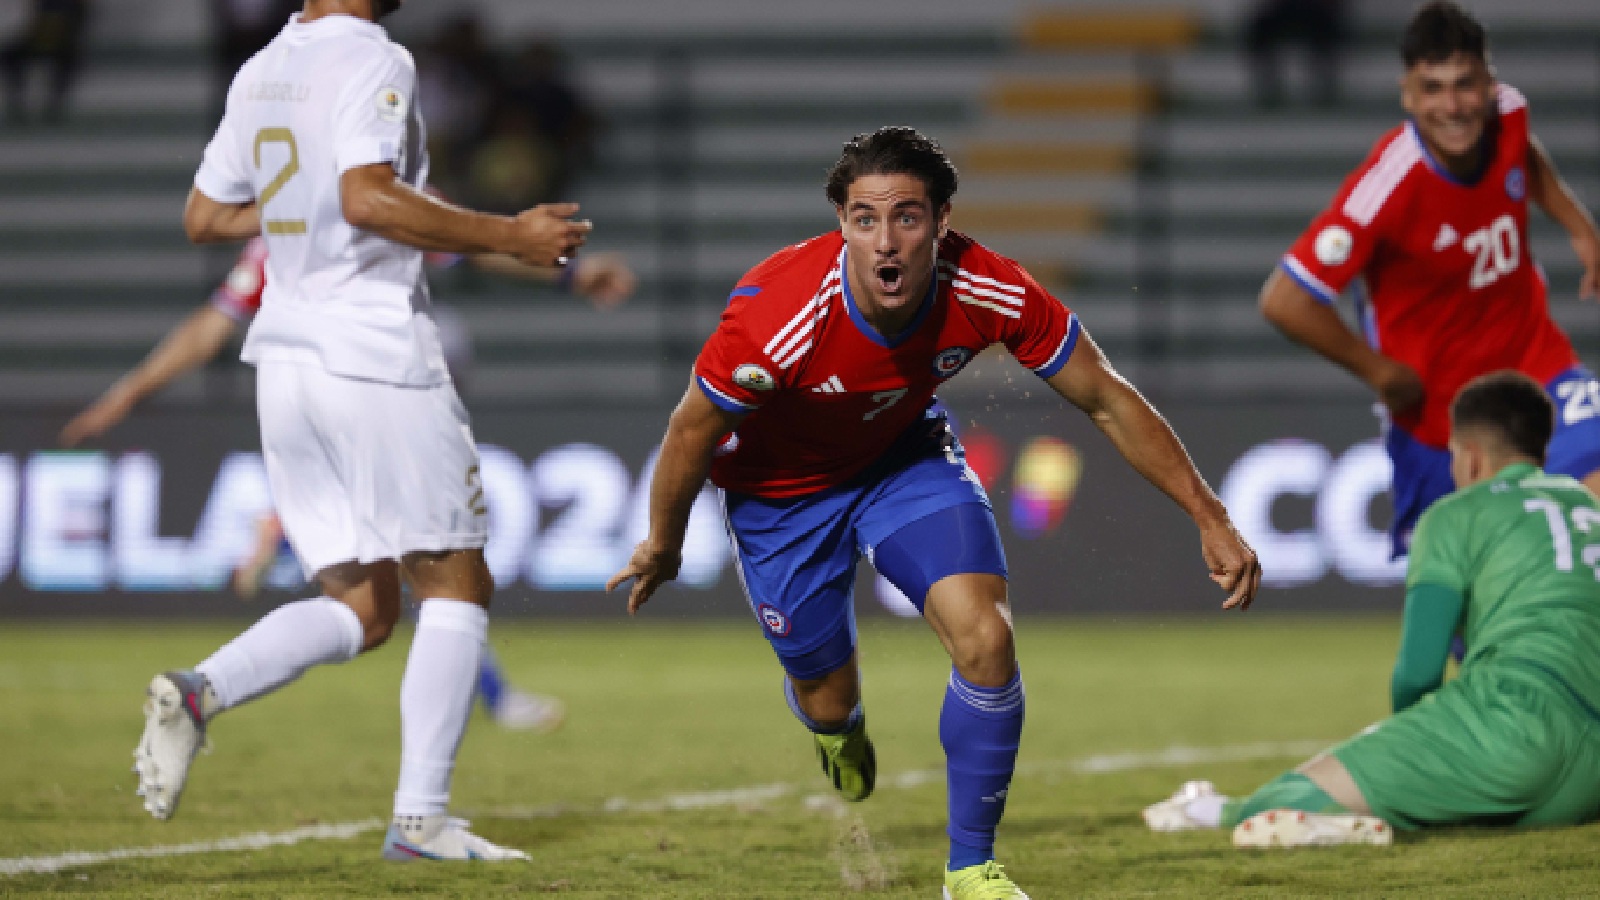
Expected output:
(1422, 473)
(920, 517)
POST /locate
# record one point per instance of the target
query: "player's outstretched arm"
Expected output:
(375, 200)
(207, 221)
(1307, 321)
(1145, 439)
(604, 279)
(193, 343)
(697, 426)
(1548, 189)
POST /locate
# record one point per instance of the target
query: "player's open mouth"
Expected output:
(890, 276)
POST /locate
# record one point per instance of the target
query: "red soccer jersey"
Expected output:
(1453, 289)
(827, 394)
(239, 296)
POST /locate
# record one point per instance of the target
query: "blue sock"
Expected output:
(491, 685)
(980, 729)
(856, 715)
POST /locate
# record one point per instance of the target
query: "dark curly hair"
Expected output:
(894, 150)
(1440, 29)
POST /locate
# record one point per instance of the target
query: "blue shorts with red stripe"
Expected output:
(919, 515)
(1422, 473)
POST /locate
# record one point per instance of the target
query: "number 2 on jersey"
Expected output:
(1582, 400)
(279, 136)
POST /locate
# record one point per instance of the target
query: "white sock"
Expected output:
(280, 647)
(1206, 811)
(435, 701)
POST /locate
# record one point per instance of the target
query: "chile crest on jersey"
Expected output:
(1516, 184)
(950, 360)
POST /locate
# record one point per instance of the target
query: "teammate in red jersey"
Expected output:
(1435, 222)
(810, 409)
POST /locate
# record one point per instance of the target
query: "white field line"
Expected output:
(1100, 764)
(261, 840)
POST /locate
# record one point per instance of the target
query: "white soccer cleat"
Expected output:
(174, 731)
(519, 711)
(1293, 828)
(1172, 814)
(441, 838)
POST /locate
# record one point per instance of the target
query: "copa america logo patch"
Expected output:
(1516, 184)
(776, 622)
(753, 377)
(391, 104)
(1333, 245)
(950, 360)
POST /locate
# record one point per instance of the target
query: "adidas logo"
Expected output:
(1447, 237)
(832, 386)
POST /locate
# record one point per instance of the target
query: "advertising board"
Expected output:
(155, 521)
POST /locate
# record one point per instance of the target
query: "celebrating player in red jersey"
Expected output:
(1436, 222)
(810, 409)
(783, 356)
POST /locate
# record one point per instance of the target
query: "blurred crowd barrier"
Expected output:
(1116, 150)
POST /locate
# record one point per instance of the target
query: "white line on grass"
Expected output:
(1100, 764)
(260, 840)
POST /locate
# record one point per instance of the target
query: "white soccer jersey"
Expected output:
(324, 97)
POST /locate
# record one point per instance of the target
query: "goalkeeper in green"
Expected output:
(1511, 562)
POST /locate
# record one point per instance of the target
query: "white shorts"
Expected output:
(362, 470)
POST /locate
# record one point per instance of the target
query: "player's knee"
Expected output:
(984, 653)
(451, 574)
(831, 698)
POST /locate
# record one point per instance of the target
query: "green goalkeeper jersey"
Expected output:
(1523, 549)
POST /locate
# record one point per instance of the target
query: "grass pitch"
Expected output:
(680, 774)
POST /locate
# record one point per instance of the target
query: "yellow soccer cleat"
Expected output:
(983, 882)
(849, 762)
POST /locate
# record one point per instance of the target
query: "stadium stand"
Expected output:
(1117, 154)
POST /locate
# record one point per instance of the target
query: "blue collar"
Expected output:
(865, 327)
(1485, 158)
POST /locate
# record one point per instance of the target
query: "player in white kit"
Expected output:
(368, 451)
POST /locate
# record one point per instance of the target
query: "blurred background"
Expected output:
(1149, 162)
